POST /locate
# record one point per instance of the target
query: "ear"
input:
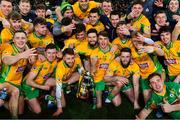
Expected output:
(99, 16)
(150, 85)
(36, 12)
(13, 39)
(35, 27)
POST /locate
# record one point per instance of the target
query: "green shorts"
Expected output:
(144, 83)
(127, 86)
(123, 89)
(175, 114)
(17, 86)
(29, 92)
(100, 86)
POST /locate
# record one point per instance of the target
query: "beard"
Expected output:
(125, 65)
(93, 45)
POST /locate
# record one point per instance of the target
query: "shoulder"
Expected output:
(5, 31)
(76, 5)
(39, 63)
(8, 50)
(30, 34)
(177, 42)
(114, 63)
(172, 85)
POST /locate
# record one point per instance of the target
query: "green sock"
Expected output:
(110, 96)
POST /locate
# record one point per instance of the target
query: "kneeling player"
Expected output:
(165, 94)
(67, 73)
(123, 75)
(40, 78)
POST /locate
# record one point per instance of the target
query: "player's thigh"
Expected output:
(34, 105)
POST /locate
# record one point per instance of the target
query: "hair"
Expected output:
(39, 20)
(153, 75)
(114, 12)
(104, 34)
(159, 12)
(92, 30)
(24, 1)
(165, 29)
(126, 49)
(50, 46)
(40, 6)
(95, 10)
(20, 31)
(108, 1)
(170, 1)
(7, 1)
(138, 2)
(66, 21)
(68, 51)
(80, 27)
(121, 23)
(14, 15)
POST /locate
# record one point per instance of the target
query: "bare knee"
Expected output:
(117, 100)
(118, 103)
(15, 92)
(37, 110)
(35, 106)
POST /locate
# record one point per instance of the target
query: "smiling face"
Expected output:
(137, 44)
(121, 28)
(68, 13)
(84, 4)
(6, 7)
(114, 20)
(107, 7)
(51, 54)
(165, 37)
(69, 60)
(41, 29)
(156, 83)
(24, 7)
(93, 18)
(20, 39)
(161, 19)
(125, 59)
(41, 13)
(92, 39)
(81, 35)
(137, 9)
(103, 42)
(16, 24)
(173, 6)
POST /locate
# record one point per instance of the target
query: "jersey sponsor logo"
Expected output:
(103, 66)
(21, 68)
(46, 76)
(40, 49)
(143, 65)
(170, 61)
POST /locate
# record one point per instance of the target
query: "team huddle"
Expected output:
(132, 53)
